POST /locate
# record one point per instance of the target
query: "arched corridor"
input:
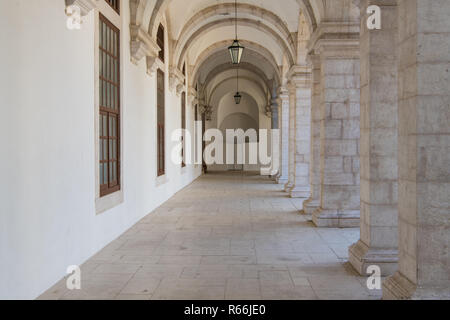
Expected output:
(251, 149)
(227, 236)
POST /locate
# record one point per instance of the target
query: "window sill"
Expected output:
(161, 180)
(108, 202)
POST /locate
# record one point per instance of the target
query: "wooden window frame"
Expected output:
(116, 6)
(183, 127)
(160, 124)
(109, 107)
(161, 41)
(196, 132)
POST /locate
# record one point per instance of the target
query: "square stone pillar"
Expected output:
(339, 133)
(291, 141)
(283, 115)
(275, 144)
(313, 203)
(424, 152)
(300, 82)
(378, 244)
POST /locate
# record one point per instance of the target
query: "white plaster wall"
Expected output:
(48, 219)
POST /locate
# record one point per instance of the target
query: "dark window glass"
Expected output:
(161, 123)
(183, 126)
(160, 42)
(109, 124)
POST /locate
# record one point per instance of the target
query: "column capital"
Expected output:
(299, 77)
(176, 80)
(142, 45)
(192, 96)
(314, 60)
(336, 39)
(337, 48)
(283, 93)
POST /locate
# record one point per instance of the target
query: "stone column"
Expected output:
(378, 244)
(275, 144)
(313, 203)
(300, 81)
(339, 134)
(283, 114)
(291, 145)
(424, 152)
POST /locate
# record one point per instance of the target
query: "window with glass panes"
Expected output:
(161, 123)
(109, 53)
(160, 41)
(183, 127)
(115, 4)
(195, 130)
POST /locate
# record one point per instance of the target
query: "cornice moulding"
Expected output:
(337, 31)
(142, 44)
(85, 5)
(299, 77)
(176, 80)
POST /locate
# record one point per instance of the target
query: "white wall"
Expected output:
(48, 218)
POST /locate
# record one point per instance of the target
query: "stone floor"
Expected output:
(226, 236)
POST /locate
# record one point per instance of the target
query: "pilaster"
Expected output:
(379, 126)
(423, 152)
(300, 82)
(339, 131)
(313, 203)
(283, 106)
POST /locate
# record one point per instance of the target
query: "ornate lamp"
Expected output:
(236, 50)
(237, 96)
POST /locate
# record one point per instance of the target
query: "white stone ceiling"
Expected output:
(275, 33)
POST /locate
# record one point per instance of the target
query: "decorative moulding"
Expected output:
(192, 96)
(300, 77)
(85, 5)
(142, 45)
(207, 110)
(153, 64)
(176, 80)
(269, 111)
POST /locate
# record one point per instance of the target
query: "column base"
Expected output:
(299, 192)
(361, 257)
(398, 287)
(281, 180)
(310, 206)
(336, 219)
(288, 187)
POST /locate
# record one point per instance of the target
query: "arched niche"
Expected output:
(228, 107)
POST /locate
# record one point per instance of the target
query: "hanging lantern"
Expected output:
(237, 98)
(236, 51)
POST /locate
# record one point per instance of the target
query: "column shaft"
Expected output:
(301, 85)
(291, 142)
(379, 242)
(339, 134)
(424, 152)
(284, 145)
(313, 203)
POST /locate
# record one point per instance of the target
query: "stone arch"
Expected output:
(218, 47)
(231, 119)
(250, 109)
(310, 13)
(220, 9)
(243, 66)
(288, 52)
(250, 88)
